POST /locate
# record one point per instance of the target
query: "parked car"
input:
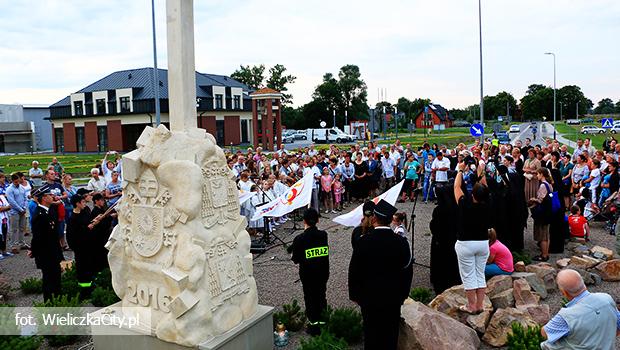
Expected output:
(287, 138)
(329, 135)
(587, 120)
(615, 129)
(573, 121)
(515, 128)
(503, 138)
(461, 124)
(301, 135)
(591, 129)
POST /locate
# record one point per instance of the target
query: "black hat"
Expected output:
(83, 191)
(75, 199)
(384, 209)
(368, 208)
(45, 189)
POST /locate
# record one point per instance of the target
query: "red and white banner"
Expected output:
(244, 196)
(354, 217)
(297, 196)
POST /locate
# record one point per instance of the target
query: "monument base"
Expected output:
(255, 333)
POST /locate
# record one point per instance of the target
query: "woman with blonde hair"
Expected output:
(541, 212)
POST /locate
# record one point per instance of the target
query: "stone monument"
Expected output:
(180, 249)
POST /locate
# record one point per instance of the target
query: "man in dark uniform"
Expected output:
(45, 247)
(102, 227)
(380, 276)
(311, 252)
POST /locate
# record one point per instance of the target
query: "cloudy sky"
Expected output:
(411, 48)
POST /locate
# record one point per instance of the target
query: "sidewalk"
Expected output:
(549, 133)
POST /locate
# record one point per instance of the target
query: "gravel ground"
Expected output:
(277, 276)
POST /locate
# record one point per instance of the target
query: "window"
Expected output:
(237, 102)
(79, 138)
(244, 131)
(219, 99)
(78, 107)
(125, 104)
(102, 132)
(59, 138)
(100, 102)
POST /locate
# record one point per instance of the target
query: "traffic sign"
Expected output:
(476, 130)
(607, 123)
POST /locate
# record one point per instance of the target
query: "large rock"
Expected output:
(539, 313)
(609, 270)
(546, 272)
(498, 284)
(503, 300)
(562, 263)
(608, 253)
(523, 294)
(584, 261)
(589, 278)
(451, 299)
(537, 284)
(501, 324)
(426, 329)
(581, 249)
(480, 321)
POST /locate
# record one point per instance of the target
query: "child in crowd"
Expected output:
(338, 191)
(399, 224)
(577, 224)
(326, 187)
(500, 258)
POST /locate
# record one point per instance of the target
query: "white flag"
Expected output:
(295, 197)
(244, 196)
(354, 217)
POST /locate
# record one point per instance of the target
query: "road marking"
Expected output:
(520, 134)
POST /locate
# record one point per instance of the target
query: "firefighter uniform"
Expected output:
(46, 250)
(311, 252)
(380, 276)
(82, 241)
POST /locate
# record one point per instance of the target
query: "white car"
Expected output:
(615, 129)
(301, 135)
(515, 128)
(590, 129)
(573, 122)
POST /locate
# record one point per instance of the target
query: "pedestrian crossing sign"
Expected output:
(607, 123)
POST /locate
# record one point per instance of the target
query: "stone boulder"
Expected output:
(546, 272)
(520, 266)
(589, 278)
(503, 300)
(539, 313)
(607, 253)
(501, 324)
(584, 261)
(426, 329)
(480, 321)
(498, 284)
(562, 263)
(535, 282)
(523, 294)
(451, 299)
(609, 270)
(581, 249)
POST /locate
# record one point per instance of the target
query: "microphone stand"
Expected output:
(412, 229)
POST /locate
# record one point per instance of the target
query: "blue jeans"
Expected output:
(427, 191)
(493, 270)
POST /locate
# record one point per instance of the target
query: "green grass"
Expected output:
(573, 132)
(78, 165)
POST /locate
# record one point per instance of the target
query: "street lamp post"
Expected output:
(396, 120)
(334, 117)
(383, 123)
(577, 111)
(554, 90)
(155, 70)
(481, 83)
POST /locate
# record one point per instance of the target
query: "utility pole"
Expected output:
(481, 82)
(554, 91)
(396, 120)
(155, 70)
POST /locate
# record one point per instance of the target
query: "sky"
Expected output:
(410, 48)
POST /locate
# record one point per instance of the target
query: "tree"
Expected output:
(278, 81)
(537, 102)
(353, 90)
(497, 105)
(618, 106)
(460, 114)
(251, 76)
(569, 96)
(605, 106)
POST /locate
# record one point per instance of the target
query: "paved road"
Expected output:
(544, 130)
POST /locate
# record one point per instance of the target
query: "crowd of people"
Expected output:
(61, 218)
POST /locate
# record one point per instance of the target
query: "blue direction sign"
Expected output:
(607, 123)
(476, 130)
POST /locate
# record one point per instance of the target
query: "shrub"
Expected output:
(104, 279)
(421, 294)
(69, 283)
(291, 316)
(12, 340)
(345, 323)
(31, 285)
(524, 339)
(521, 256)
(61, 301)
(324, 341)
(101, 297)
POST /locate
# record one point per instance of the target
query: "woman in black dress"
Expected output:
(360, 189)
(444, 265)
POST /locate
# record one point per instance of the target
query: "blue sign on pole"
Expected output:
(476, 130)
(607, 123)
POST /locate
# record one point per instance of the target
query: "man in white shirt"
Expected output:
(440, 167)
(275, 163)
(311, 168)
(36, 174)
(96, 183)
(587, 146)
(312, 152)
(389, 170)
(239, 167)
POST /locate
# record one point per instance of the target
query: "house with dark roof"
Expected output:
(435, 115)
(111, 113)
